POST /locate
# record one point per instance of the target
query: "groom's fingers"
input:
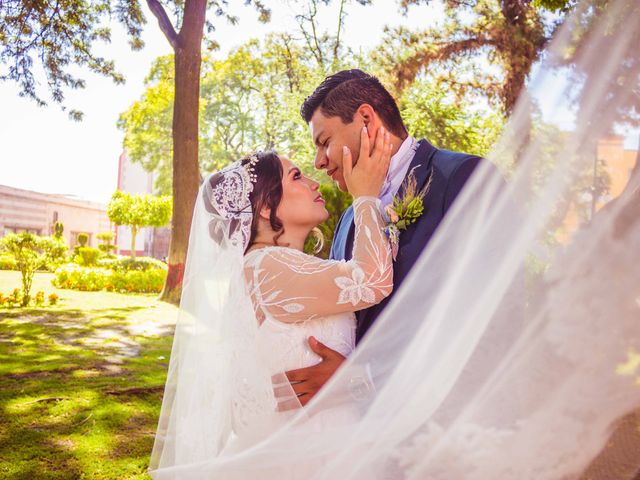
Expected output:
(321, 349)
(299, 375)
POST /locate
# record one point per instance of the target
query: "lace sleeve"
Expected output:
(292, 286)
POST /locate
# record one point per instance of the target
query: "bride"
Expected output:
(266, 208)
(440, 405)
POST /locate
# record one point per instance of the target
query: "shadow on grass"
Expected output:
(72, 405)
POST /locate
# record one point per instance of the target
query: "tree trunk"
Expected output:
(523, 37)
(186, 173)
(134, 233)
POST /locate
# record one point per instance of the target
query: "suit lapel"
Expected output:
(420, 166)
(422, 169)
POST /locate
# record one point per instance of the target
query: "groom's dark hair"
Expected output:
(341, 94)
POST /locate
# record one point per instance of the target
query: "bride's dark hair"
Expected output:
(267, 191)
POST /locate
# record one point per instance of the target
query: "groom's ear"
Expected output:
(370, 118)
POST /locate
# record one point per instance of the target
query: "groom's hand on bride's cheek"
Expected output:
(306, 382)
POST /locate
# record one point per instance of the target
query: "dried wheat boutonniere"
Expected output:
(404, 210)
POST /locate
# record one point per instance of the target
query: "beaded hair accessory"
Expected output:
(226, 196)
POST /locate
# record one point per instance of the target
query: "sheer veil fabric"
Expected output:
(510, 351)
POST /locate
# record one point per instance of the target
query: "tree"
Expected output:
(327, 48)
(249, 100)
(187, 48)
(447, 122)
(29, 252)
(147, 125)
(139, 211)
(508, 33)
(53, 36)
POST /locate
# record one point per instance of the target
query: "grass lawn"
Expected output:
(81, 383)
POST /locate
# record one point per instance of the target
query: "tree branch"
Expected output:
(163, 22)
(407, 69)
(336, 46)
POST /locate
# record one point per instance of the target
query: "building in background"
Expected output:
(619, 162)
(613, 164)
(150, 242)
(35, 212)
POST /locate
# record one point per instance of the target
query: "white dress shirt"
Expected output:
(397, 171)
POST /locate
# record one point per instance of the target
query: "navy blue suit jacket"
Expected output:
(449, 172)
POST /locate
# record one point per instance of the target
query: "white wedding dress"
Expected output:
(297, 296)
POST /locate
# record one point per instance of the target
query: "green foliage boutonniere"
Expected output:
(404, 210)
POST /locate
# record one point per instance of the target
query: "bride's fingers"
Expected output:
(364, 144)
(382, 157)
(385, 160)
(378, 149)
(347, 163)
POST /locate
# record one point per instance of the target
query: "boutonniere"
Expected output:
(404, 210)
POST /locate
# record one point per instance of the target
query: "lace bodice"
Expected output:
(291, 286)
(297, 295)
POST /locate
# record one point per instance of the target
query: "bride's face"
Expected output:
(301, 205)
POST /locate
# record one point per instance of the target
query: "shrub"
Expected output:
(107, 248)
(53, 299)
(126, 264)
(105, 236)
(87, 256)
(39, 299)
(83, 238)
(58, 229)
(16, 297)
(107, 262)
(55, 251)
(140, 264)
(80, 278)
(7, 262)
(94, 279)
(150, 281)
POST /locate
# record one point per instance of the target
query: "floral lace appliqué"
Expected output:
(354, 290)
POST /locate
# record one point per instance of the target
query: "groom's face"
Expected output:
(329, 135)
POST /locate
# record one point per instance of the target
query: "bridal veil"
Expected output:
(511, 351)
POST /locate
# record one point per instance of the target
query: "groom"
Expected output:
(336, 113)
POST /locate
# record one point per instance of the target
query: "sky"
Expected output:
(41, 149)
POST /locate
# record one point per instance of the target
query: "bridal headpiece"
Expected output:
(226, 197)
